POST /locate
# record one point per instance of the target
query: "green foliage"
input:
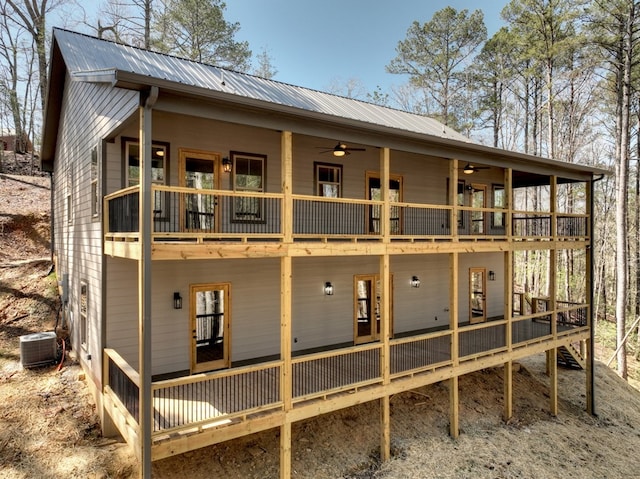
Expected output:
(433, 55)
(196, 29)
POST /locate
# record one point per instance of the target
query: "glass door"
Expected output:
(199, 170)
(477, 295)
(210, 313)
(366, 327)
(374, 192)
(478, 200)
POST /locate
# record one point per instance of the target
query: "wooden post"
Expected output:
(286, 151)
(144, 282)
(508, 391)
(286, 375)
(454, 416)
(385, 331)
(453, 197)
(453, 326)
(385, 428)
(590, 393)
(553, 380)
(385, 305)
(285, 450)
(385, 176)
(553, 259)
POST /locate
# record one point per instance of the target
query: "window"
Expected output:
(248, 175)
(69, 210)
(84, 303)
(95, 194)
(328, 180)
(497, 219)
(159, 170)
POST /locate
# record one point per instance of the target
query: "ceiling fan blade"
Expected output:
(355, 149)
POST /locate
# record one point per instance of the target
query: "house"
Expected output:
(238, 254)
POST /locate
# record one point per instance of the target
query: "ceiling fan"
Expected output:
(469, 168)
(341, 149)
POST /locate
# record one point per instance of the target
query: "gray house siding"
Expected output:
(78, 232)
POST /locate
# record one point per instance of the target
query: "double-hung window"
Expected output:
(249, 176)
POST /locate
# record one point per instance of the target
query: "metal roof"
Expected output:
(85, 55)
(88, 58)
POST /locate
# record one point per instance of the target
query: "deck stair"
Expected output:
(569, 357)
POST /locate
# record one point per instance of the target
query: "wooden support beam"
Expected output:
(590, 385)
(508, 391)
(285, 450)
(385, 428)
(453, 197)
(286, 174)
(385, 213)
(286, 384)
(454, 408)
(145, 208)
(552, 363)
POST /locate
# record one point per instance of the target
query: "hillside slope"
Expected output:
(49, 428)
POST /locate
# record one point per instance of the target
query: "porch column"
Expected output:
(286, 176)
(553, 256)
(552, 361)
(453, 198)
(385, 305)
(590, 393)
(286, 374)
(286, 385)
(385, 356)
(454, 428)
(508, 315)
(508, 391)
(144, 281)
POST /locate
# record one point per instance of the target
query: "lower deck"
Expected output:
(198, 410)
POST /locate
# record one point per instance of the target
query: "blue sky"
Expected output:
(314, 42)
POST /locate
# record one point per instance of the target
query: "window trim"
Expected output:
(95, 180)
(495, 187)
(260, 216)
(158, 144)
(316, 177)
(161, 198)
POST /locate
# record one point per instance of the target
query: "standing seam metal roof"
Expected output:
(83, 53)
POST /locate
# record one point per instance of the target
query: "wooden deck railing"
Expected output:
(222, 397)
(189, 214)
(123, 382)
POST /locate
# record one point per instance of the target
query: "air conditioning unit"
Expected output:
(38, 349)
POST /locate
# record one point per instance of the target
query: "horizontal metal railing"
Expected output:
(420, 353)
(199, 214)
(332, 217)
(317, 374)
(219, 395)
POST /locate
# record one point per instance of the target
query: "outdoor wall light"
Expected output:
(226, 164)
(328, 289)
(492, 275)
(177, 301)
(415, 282)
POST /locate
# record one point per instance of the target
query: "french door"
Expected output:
(366, 317)
(477, 295)
(478, 200)
(374, 192)
(199, 170)
(210, 312)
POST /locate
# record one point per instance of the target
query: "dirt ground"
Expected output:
(49, 427)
